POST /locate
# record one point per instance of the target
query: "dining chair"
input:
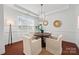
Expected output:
(54, 45)
(31, 45)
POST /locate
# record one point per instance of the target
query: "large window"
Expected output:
(26, 24)
(27, 21)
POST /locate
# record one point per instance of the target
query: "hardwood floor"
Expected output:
(17, 49)
(14, 49)
(69, 48)
(44, 52)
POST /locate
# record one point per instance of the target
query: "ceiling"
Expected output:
(36, 8)
(47, 7)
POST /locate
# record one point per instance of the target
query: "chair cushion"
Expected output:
(35, 37)
(53, 37)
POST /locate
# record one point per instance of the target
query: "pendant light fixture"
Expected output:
(43, 16)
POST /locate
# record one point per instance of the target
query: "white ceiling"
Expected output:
(36, 8)
(47, 7)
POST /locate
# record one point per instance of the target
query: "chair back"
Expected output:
(60, 37)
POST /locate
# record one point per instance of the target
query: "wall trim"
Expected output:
(22, 10)
(25, 10)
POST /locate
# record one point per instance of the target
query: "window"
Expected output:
(26, 24)
(27, 21)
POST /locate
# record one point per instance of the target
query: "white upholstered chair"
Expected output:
(31, 46)
(54, 45)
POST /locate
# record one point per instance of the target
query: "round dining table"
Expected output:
(43, 37)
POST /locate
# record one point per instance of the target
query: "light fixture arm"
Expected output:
(42, 12)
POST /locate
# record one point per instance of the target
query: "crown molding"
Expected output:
(22, 10)
(29, 12)
(25, 10)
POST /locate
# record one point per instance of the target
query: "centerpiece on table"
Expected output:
(40, 28)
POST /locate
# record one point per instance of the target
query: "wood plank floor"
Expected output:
(44, 52)
(17, 49)
(69, 48)
(14, 49)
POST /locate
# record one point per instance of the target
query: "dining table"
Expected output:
(43, 37)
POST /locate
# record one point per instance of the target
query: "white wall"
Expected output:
(12, 14)
(2, 45)
(68, 17)
(67, 29)
(77, 29)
